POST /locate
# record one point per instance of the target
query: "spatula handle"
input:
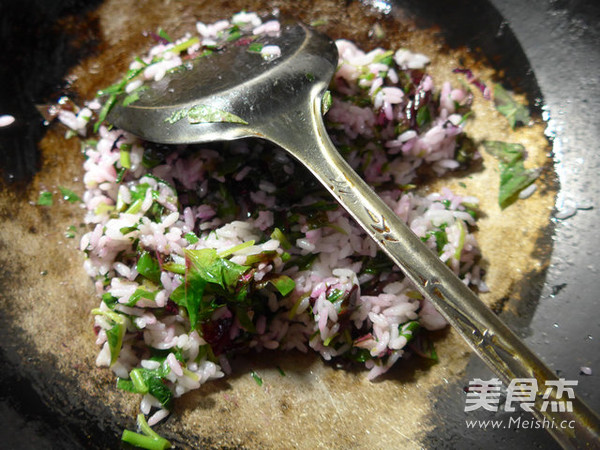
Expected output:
(302, 133)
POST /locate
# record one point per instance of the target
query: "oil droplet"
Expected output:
(555, 325)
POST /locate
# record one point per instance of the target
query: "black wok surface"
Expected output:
(561, 42)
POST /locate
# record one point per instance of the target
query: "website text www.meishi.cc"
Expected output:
(519, 423)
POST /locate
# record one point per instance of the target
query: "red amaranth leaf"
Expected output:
(216, 334)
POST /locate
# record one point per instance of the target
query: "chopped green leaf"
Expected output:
(235, 248)
(228, 206)
(115, 334)
(163, 34)
(423, 346)
(232, 164)
(151, 381)
(131, 98)
(360, 355)
(109, 300)
(461, 239)
(278, 235)
(439, 235)
(159, 390)
(185, 45)
(209, 114)
(302, 262)
(464, 118)
(45, 199)
(508, 107)
(368, 76)
(137, 379)
(88, 143)
(206, 264)
(191, 237)
(125, 157)
(294, 309)
(143, 441)
(204, 114)
(264, 256)
(241, 314)
(70, 232)
(505, 152)
(135, 207)
(194, 292)
(384, 58)
(423, 116)
(138, 194)
(148, 267)
(255, 47)
(206, 270)
(177, 116)
(378, 264)
(283, 284)
(126, 385)
(140, 294)
(174, 267)
(69, 195)
(328, 341)
(409, 329)
(321, 205)
(256, 378)
(127, 230)
(146, 429)
(152, 157)
(119, 86)
(120, 174)
(158, 180)
(234, 35)
(110, 102)
(335, 295)
(327, 102)
(134, 95)
(319, 22)
(514, 177)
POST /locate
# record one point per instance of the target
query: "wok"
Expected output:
(57, 399)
